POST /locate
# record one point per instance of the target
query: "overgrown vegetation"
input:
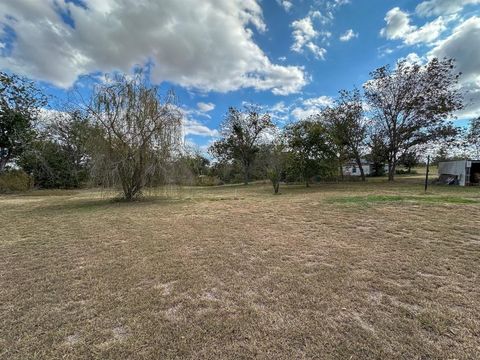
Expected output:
(129, 137)
(14, 181)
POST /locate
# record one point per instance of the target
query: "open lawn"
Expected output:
(336, 271)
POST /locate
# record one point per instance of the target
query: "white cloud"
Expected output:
(442, 7)
(316, 50)
(427, 33)
(320, 101)
(193, 127)
(311, 106)
(304, 36)
(399, 28)
(300, 113)
(463, 45)
(413, 58)
(287, 5)
(279, 112)
(348, 35)
(209, 47)
(205, 107)
(398, 24)
(324, 18)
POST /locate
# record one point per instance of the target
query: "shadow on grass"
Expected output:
(101, 204)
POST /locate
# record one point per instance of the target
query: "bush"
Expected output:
(53, 166)
(14, 181)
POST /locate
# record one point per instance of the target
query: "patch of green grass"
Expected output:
(367, 199)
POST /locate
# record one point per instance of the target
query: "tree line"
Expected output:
(128, 135)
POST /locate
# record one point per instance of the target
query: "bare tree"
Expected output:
(140, 132)
(241, 133)
(347, 126)
(411, 103)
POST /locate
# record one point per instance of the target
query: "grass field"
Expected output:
(336, 271)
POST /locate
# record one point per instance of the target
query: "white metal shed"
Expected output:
(462, 172)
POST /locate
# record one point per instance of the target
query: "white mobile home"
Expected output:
(459, 172)
(351, 168)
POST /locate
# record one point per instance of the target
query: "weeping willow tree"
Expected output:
(140, 133)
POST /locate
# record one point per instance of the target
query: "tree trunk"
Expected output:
(360, 167)
(4, 158)
(276, 186)
(391, 170)
(3, 163)
(246, 171)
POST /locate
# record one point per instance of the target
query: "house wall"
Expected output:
(457, 168)
(353, 170)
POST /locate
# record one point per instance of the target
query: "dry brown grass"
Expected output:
(237, 273)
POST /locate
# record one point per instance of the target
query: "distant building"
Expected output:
(351, 168)
(459, 172)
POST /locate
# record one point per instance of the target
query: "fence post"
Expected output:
(426, 174)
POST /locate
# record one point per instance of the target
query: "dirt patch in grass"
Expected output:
(269, 277)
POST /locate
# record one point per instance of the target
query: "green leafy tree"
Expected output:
(310, 148)
(241, 137)
(60, 157)
(49, 164)
(410, 159)
(378, 153)
(412, 103)
(20, 104)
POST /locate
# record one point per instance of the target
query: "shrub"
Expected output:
(14, 181)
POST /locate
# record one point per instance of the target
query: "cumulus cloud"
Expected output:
(287, 5)
(464, 46)
(348, 35)
(209, 47)
(321, 101)
(399, 28)
(311, 106)
(442, 7)
(307, 37)
(205, 107)
(194, 127)
(413, 58)
(304, 36)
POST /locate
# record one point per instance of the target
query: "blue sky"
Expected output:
(289, 56)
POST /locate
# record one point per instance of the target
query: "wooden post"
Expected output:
(426, 174)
